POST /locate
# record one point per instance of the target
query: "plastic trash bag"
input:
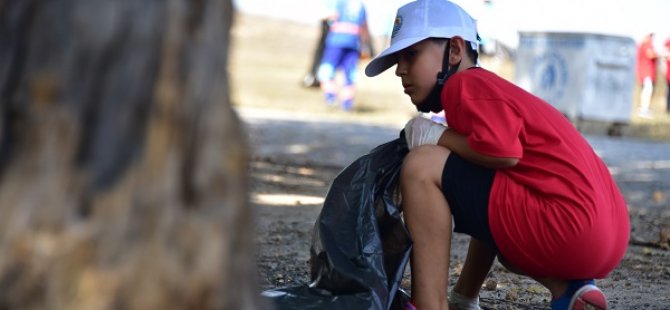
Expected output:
(360, 246)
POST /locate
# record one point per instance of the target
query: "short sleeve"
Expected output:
(493, 128)
(491, 125)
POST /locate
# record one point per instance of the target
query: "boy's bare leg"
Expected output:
(556, 286)
(475, 269)
(428, 219)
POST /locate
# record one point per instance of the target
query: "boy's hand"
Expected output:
(420, 131)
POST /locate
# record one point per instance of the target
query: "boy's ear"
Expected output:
(457, 52)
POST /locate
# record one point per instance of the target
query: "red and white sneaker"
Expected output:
(588, 297)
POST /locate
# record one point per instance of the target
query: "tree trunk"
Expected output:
(123, 171)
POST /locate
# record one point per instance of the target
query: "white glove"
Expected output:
(460, 302)
(420, 131)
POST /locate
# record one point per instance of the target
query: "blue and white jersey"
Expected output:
(347, 28)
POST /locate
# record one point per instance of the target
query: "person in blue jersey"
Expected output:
(348, 32)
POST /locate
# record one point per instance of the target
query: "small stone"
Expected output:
(658, 196)
(491, 285)
(406, 283)
(512, 296)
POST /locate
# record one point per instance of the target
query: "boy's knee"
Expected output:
(325, 72)
(424, 163)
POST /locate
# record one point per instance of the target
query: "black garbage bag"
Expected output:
(360, 246)
(311, 79)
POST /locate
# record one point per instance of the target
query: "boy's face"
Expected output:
(417, 68)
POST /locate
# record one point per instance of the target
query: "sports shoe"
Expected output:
(580, 295)
(588, 297)
(347, 105)
(330, 99)
(645, 114)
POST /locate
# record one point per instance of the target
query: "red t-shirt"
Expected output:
(646, 62)
(558, 212)
(667, 60)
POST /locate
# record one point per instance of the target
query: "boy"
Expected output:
(347, 34)
(512, 171)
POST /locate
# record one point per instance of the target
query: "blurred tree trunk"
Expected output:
(123, 172)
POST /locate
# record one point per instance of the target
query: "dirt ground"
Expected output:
(287, 189)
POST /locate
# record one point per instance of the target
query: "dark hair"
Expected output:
(472, 53)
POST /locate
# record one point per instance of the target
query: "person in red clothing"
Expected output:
(667, 73)
(510, 170)
(646, 73)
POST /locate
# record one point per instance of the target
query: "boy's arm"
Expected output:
(457, 143)
(420, 131)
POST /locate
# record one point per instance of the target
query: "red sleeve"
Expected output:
(490, 123)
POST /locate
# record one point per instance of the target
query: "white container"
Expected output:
(585, 76)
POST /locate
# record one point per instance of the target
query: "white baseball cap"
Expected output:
(420, 20)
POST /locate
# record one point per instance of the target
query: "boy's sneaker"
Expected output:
(588, 297)
(581, 295)
(330, 99)
(347, 105)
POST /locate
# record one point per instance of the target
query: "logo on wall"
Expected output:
(550, 74)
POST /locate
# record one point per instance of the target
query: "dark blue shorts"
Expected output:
(467, 188)
(345, 59)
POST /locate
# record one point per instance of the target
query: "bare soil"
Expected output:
(288, 188)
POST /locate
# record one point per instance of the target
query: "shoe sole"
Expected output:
(588, 297)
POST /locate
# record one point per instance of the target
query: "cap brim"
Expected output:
(385, 59)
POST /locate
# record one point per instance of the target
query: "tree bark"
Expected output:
(123, 169)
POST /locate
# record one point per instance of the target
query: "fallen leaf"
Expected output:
(658, 196)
